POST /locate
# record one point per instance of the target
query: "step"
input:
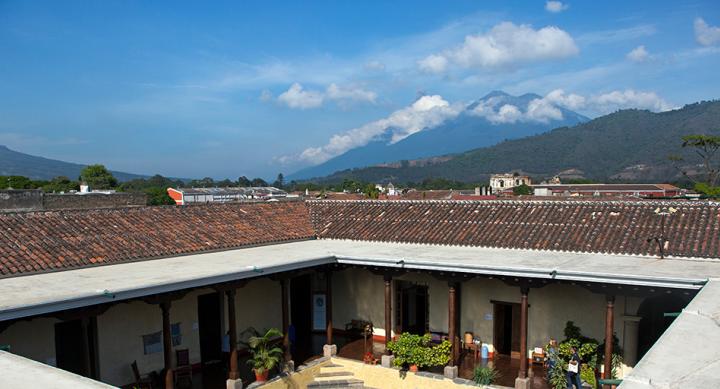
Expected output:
(337, 383)
(334, 374)
(320, 378)
(332, 368)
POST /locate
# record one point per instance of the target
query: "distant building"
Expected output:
(599, 190)
(506, 181)
(184, 196)
(13, 200)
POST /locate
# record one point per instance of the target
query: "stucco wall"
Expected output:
(33, 339)
(359, 293)
(258, 304)
(120, 331)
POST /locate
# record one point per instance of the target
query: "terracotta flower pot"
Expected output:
(413, 368)
(261, 377)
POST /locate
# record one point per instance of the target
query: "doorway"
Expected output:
(506, 328)
(76, 346)
(301, 315)
(414, 308)
(653, 322)
(210, 327)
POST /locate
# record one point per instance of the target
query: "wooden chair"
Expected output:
(140, 382)
(183, 368)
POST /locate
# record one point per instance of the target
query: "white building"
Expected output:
(506, 181)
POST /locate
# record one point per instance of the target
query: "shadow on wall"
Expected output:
(653, 322)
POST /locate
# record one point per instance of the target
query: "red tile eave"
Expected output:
(60, 240)
(618, 227)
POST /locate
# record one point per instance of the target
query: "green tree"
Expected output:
(98, 177)
(226, 183)
(258, 182)
(158, 196)
(371, 191)
(280, 181)
(206, 182)
(61, 184)
(16, 182)
(707, 149)
(523, 190)
(244, 182)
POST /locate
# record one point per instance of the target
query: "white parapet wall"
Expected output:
(19, 372)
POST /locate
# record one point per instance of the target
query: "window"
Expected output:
(152, 343)
(176, 335)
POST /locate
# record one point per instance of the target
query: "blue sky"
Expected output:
(227, 89)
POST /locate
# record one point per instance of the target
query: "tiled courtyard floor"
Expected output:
(507, 367)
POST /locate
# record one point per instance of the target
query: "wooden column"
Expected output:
(452, 326)
(388, 310)
(523, 332)
(328, 306)
(167, 344)
(609, 313)
(233, 374)
(285, 319)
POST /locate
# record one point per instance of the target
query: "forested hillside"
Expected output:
(628, 145)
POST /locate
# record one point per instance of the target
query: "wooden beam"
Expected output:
(167, 344)
(609, 320)
(231, 285)
(234, 372)
(285, 318)
(165, 297)
(388, 311)
(452, 325)
(328, 307)
(523, 332)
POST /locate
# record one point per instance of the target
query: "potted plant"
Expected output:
(485, 375)
(264, 354)
(416, 351)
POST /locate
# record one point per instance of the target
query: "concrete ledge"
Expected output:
(450, 372)
(523, 383)
(387, 361)
(19, 372)
(233, 384)
(329, 350)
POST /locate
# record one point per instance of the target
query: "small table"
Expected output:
(538, 358)
(473, 347)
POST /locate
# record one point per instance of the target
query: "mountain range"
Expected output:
(14, 163)
(628, 145)
(479, 124)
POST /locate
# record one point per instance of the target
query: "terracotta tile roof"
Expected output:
(599, 226)
(42, 241)
(59, 240)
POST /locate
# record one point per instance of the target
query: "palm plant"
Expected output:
(265, 355)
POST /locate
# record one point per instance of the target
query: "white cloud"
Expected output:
(705, 34)
(638, 54)
(297, 97)
(570, 101)
(612, 101)
(505, 44)
(541, 110)
(266, 95)
(433, 64)
(547, 108)
(335, 92)
(300, 98)
(555, 6)
(426, 112)
(375, 66)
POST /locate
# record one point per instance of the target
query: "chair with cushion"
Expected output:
(183, 368)
(140, 382)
